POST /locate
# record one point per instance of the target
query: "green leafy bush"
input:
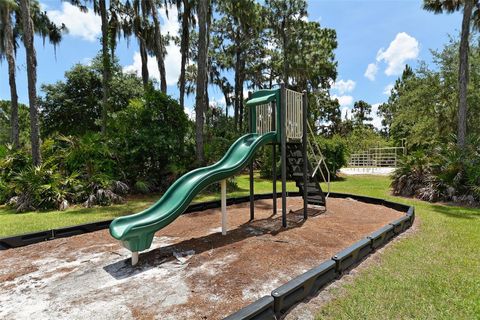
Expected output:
(216, 187)
(335, 152)
(150, 141)
(444, 174)
(414, 178)
(265, 159)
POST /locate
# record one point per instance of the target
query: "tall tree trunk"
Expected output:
(241, 98)
(237, 88)
(158, 47)
(10, 53)
(200, 99)
(463, 74)
(31, 58)
(106, 65)
(144, 58)
(184, 46)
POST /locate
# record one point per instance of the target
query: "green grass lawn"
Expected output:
(433, 274)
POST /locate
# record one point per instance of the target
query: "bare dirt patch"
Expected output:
(191, 272)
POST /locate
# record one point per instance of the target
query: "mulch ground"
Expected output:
(191, 271)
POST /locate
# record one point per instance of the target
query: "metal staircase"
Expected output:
(315, 194)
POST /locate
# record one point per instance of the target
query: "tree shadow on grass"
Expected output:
(155, 258)
(457, 212)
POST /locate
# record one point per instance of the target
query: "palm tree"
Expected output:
(201, 88)
(7, 49)
(468, 6)
(187, 18)
(8, 40)
(31, 58)
(158, 47)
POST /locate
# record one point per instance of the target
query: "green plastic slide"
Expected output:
(136, 231)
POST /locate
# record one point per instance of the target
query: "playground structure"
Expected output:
(277, 117)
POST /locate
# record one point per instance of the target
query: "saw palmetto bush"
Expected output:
(74, 171)
(414, 176)
(443, 174)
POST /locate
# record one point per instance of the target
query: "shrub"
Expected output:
(414, 178)
(149, 140)
(335, 152)
(216, 187)
(265, 161)
(444, 174)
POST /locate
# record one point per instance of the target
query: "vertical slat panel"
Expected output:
(263, 122)
(294, 115)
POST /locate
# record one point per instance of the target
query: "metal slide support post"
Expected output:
(223, 185)
(252, 196)
(274, 160)
(304, 153)
(134, 258)
(252, 205)
(283, 151)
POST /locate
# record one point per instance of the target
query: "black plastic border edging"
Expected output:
(312, 281)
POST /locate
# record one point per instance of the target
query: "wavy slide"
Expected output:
(136, 231)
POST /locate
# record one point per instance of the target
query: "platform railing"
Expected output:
(294, 115)
(264, 118)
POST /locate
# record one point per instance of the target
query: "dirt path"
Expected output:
(191, 272)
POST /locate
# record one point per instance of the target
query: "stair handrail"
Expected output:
(319, 159)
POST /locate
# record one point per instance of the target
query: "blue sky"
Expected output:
(376, 38)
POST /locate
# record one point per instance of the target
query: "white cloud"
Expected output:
(343, 86)
(85, 25)
(346, 113)
(214, 102)
(403, 48)
(371, 71)
(173, 58)
(344, 101)
(377, 120)
(387, 90)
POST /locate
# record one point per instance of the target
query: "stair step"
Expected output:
(299, 174)
(313, 189)
(316, 198)
(309, 184)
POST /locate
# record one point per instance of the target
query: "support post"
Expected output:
(252, 199)
(274, 159)
(283, 151)
(134, 258)
(223, 187)
(304, 153)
